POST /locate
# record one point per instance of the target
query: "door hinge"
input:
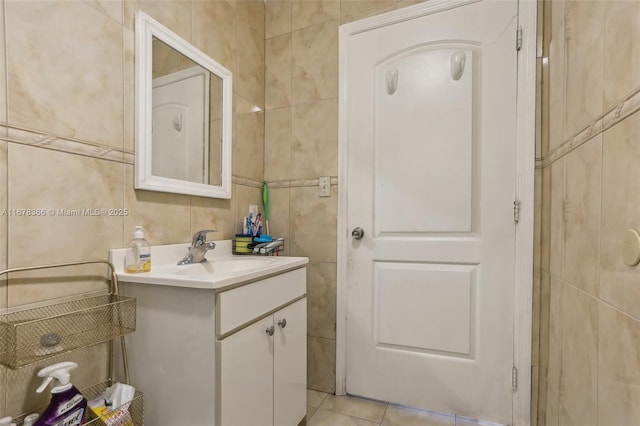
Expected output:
(516, 211)
(514, 378)
(519, 38)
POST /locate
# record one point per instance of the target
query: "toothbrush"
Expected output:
(256, 227)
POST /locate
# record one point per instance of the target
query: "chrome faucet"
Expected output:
(198, 249)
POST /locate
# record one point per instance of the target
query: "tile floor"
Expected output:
(329, 410)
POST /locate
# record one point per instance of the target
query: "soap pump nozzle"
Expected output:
(138, 234)
(60, 372)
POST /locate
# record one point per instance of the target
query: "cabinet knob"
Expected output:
(282, 323)
(270, 330)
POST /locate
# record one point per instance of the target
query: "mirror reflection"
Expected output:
(186, 118)
(183, 115)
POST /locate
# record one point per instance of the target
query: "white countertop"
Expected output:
(221, 271)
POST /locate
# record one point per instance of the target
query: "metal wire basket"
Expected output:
(31, 335)
(135, 408)
(245, 246)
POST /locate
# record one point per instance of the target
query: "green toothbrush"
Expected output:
(265, 202)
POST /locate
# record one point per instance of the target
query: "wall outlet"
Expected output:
(325, 186)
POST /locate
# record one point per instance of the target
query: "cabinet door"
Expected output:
(290, 364)
(246, 376)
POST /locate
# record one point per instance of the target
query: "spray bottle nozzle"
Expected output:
(44, 384)
(60, 372)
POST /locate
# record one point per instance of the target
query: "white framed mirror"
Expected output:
(183, 115)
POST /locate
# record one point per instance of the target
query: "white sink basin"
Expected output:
(235, 265)
(220, 271)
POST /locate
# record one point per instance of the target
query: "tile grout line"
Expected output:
(452, 419)
(99, 151)
(603, 122)
(384, 413)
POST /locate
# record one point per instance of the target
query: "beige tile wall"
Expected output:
(301, 144)
(70, 73)
(589, 313)
(292, 75)
(3, 197)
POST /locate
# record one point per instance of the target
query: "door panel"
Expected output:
(246, 376)
(431, 179)
(416, 136)
(290, 364)
(180, 121)
(412, 293)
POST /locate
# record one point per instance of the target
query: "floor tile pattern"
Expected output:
(330, 410)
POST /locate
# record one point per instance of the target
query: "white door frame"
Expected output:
(525, 128)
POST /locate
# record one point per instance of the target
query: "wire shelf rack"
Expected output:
(246, 246)
(31, 335)
(134, 409)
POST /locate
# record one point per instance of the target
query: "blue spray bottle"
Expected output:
(68, 406)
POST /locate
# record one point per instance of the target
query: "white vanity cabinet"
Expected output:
(263, 370)
(262, 352)
(201, 349)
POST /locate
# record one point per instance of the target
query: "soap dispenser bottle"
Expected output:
(67, 407)
(138, 258)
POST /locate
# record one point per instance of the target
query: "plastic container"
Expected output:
(138, 258)
(241, 244)
(30, 420)
(68, 406)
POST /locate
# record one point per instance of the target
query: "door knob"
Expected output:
(270, 330)
(357, 233)
(282, 323)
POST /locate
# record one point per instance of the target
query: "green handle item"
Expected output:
(265, 202)
(265, 199)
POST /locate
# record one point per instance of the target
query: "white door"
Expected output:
(431, 128)
(180, 124)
